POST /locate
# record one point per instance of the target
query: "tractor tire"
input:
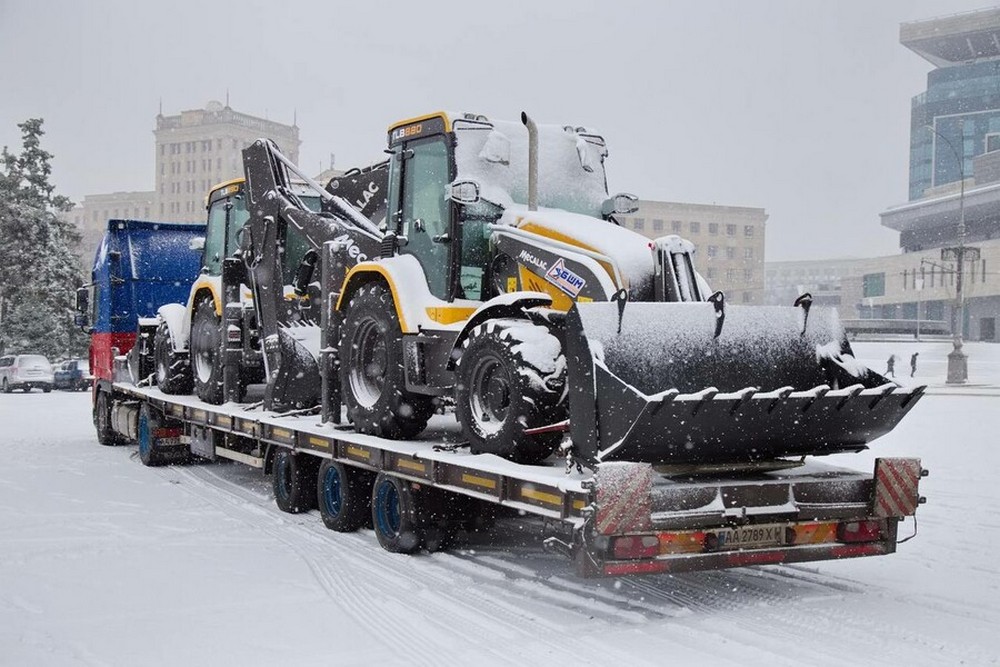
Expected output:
(371, 369)
(293, 480)
(343, 495)
(102, 421)
(394, 515)
(511, 377)
(173, 369)
(206, 352)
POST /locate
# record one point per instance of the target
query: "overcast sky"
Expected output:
(798, 107)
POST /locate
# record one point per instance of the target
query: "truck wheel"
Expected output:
(511, 377)
(394, 516)
(206, 352)
(149, 422)
(102, 420)
(371, 369)
(293, 479)
(343, 495)
(173, 369)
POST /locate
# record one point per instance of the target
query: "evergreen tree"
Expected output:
(38, 265)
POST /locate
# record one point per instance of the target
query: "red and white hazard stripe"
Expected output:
(623, 502)
(896, 487)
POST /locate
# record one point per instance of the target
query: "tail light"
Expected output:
(859, 531)
(636, 546)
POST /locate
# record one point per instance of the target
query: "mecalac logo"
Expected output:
(565, 279)
(537, 262)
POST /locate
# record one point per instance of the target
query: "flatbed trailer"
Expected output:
(618, 519)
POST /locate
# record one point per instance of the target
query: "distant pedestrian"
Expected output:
(890, 366)
(913, 364)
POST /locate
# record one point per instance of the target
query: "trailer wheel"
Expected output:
(173, 369)
(343, 495)
(102, 420)
(206, 352)
(149, 422)
(503, 389)
(293, 479)
(371, 369)
(394, 515)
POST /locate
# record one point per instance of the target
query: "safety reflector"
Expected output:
(896, 487)
(623, 503)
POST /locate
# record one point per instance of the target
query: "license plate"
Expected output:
(745, 537)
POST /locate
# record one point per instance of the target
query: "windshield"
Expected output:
(495, 154)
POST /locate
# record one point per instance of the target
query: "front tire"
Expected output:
(206, 352)
(173, 369)
(511, 378)
(371, 369)
(102, 421)
(6, 386)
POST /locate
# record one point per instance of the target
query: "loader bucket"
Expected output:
(656, 385)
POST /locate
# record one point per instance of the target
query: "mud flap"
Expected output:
(666, 389)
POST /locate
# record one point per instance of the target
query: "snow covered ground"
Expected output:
(105, 562)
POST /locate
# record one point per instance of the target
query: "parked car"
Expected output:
(25, 371)
(73, 375)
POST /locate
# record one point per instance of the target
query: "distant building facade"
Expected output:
(954, 177)
(194, 150)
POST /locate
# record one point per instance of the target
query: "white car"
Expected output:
(25, 371)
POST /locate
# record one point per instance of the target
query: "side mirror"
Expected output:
(464, 192)
(620, 204)
(83, 300)
(197, 243)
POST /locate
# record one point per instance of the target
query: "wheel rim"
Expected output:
(204, 355)
(387, 509)
(369, 363)
(284, 473)
(145, 446)
(332, 498)
(489, 397)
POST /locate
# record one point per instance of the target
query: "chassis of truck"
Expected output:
(615, 519)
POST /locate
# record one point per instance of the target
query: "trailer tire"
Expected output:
(343, 496)
(501, 392)
(394, 515)
(206, 352)
(102, 421)
(149, 453)
(173, 369)
(371, 369)
(293, 479)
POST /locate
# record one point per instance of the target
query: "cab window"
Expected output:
(215, 237)
(238, 217)
(425, 211)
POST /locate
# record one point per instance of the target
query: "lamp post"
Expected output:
(958, 362)
(919, 284)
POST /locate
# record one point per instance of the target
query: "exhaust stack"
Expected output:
(532, 161)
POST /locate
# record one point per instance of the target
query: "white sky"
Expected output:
(798, 107)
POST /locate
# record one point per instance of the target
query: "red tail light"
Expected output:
(636, 546)
(859, 531)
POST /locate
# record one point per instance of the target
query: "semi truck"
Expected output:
(498, 340)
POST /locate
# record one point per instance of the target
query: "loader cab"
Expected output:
(227, 213)
(445, 237)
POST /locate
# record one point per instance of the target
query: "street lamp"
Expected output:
(958, 362)
(918, 283)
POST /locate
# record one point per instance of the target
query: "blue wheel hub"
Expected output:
(332, 492)
(284, 473)
(387, 514)
(145, 436)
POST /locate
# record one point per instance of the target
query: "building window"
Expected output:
(695, 227)
(639, 223)
(748, 231)
(713, 228)
(657, 225)
(730, 275)
(746, 297)
(711, 273)
(992, 142)
(873, 284)
(748, 275)
(730, 230)
(747, 253)
(713, 250)
(730, 252)
(675, 226)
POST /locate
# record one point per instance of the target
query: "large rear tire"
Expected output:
(511, 378)
(371, 369)
(206, 352)
(173, 369)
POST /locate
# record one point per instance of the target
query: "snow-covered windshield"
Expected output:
(570, 164)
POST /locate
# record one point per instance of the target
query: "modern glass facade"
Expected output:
(962, 103)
